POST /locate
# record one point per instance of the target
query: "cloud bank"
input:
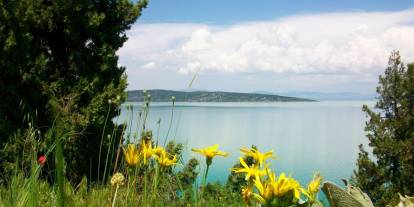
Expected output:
(342, 43)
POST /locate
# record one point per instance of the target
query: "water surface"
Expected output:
(305, 136)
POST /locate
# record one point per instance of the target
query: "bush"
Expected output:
(59, 67)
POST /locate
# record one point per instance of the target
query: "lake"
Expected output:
(305, 136)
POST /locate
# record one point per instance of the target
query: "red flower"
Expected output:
(41, 160)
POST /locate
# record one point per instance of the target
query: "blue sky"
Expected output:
(274, 46)
(234, 11)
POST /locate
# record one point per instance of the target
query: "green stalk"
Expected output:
(130, 122)
(118, 150)
(209, 160)
(158, 131)
(139, 123)
(111, 147)
(131, 182)
(59, 170)
(107, 157)
(33, 178)
(208, 163)
(195, 192)
(145, 189)
(155, 183)
(146, 112)
(116, 192)
(102, 138)
(169, 127)
(205, 176)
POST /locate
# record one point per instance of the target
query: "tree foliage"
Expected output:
(390, 130)
(58, 63)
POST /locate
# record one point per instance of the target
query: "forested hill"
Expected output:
(205, 96)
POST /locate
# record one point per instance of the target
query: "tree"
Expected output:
(389, 170)
(58, 62)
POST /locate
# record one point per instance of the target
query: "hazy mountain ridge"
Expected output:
(158, 95)
(325, 96)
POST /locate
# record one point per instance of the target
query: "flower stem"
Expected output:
(205, 176)
(102, 140)
(116, 191)
(145, 189)
(155, 184)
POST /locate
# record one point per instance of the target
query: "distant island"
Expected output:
(206, 96)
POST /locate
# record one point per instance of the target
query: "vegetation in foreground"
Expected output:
(61, 85)
(147, 173)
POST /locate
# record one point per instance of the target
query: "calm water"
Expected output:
(306, 136)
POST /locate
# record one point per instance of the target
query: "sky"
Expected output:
(267, 46)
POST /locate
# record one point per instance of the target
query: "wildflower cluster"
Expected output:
(263, 186)
(134, 156)
(117, 179)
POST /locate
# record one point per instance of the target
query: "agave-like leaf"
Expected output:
(306, 204)
(406, 201)
(351, 196)
(359, 195)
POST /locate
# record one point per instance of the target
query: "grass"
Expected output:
(20, 192)
(143, 174)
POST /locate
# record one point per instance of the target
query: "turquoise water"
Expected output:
(305, 136)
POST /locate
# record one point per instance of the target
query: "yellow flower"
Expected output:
(131, 155)
(265, 190)
(257, 155)
(285, 184)
(163, 158)
(117, 179)
(251, 172)
(248, 194)
(146, 150)
(313, 187)
(210, 152)
(158, 150)
(315, 183)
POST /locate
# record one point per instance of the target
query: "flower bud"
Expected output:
(41, 160)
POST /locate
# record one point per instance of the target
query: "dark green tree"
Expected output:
(389, 170)
(58, 63)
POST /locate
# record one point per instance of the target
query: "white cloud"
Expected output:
(327, 43)
(149, 65)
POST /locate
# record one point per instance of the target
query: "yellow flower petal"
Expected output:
(258, 156)
(131, 155)
(210, 152)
